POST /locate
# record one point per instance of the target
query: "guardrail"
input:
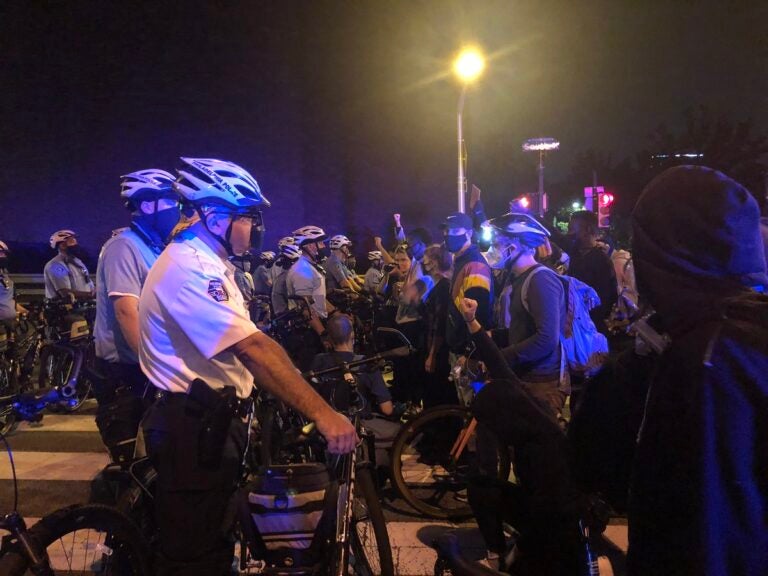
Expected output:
(29, 287)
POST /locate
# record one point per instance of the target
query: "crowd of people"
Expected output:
(177, 294)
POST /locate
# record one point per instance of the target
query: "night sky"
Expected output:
(345, 111)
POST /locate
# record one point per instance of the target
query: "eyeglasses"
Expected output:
(255, 218)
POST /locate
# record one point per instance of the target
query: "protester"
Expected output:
(590, 264)
(438, 389)
(531, 343)
(699, 493)
(471, 279)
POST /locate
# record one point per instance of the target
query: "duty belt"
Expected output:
(241, 409)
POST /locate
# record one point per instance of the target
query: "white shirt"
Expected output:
(190, 313)
(305, 280)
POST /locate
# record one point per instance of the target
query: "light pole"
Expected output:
(468, 66)
(542, 146)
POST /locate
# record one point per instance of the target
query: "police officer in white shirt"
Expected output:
(193, 325)
(65, 274)
(124, 263)
(306, 279)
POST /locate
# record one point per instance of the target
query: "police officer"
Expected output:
(338, 275)
(65, 274)
(124, 263)
(374, 274)
(289, 254)
(199, 348)
(306, 279)
(8, 307)
(262, 275)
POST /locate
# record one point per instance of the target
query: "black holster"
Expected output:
(218, 409)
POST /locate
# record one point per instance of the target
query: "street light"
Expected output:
(468, 67)
(542, 146)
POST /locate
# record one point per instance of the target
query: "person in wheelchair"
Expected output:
(544, 506)
(379, 412)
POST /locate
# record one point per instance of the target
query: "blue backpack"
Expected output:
(583, 349)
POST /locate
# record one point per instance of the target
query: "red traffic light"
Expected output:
(606, 199)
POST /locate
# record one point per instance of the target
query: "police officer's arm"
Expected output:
(273, 371)
(127, 315)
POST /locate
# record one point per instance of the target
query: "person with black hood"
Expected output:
(699, 491)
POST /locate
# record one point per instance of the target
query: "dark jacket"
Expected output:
(699, 492)
(594, 268)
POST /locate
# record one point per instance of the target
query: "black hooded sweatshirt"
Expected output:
(699, 491)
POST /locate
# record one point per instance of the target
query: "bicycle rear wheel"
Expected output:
(57, 367)
(371, 554)
(423, 470)
(83, 540)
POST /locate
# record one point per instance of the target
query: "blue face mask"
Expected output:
(455, 242)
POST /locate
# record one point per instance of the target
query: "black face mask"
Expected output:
(323, 253)
(257, 239)
(3, 261)
(76, 252)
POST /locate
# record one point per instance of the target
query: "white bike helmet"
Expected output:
(309, 234)
(207, 181)
(374, 255)
(339, 241)
(60, 236)
(518, 224)
(268, 256)
(3, 247)
(290, 252)
(286, 241)
(147, 185)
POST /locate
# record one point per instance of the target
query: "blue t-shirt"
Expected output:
(124, 263)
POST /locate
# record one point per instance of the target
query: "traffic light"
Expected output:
(524, 203)
(604, 203)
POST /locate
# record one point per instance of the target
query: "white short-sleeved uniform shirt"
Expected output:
(124, 263)
(190, 312)
(304, 279)
(66, 273)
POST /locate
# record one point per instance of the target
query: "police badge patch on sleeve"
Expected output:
(217, 291)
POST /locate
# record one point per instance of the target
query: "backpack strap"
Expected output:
(526, 284)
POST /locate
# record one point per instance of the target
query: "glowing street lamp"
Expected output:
(467, 67)
(542, 146)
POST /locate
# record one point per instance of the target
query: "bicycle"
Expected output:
(434, 454)
(18, 351)
(81, 539)
(288, 477)
(68, 355)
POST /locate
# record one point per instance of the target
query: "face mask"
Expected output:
(323, 253)
(76, 252)
(351, 262)
(3, 262)
(499, 258)
(455, 242)
(257, 239)
(164, 221)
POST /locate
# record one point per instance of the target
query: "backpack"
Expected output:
(583, 349)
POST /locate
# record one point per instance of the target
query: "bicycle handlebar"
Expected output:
(398, 352)
(28, 406)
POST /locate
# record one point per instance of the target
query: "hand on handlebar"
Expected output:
(338, 432)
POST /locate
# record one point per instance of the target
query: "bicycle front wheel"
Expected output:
(429, 468)
(371, 552)
(84, 539)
